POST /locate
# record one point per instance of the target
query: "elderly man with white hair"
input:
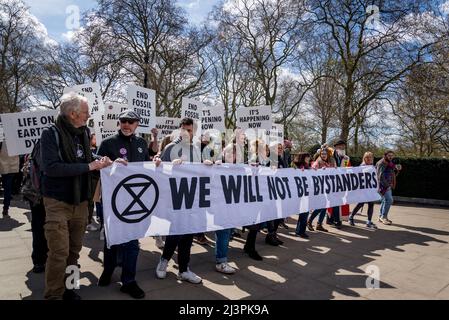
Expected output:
(67, 167)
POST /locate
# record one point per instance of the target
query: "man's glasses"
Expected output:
(123, 121)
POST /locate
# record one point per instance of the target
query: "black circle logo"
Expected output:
(144, 193)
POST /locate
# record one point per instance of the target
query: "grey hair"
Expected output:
(71, 102)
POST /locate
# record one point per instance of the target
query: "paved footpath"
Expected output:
(412, 257)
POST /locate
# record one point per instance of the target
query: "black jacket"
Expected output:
(57, 179)
(132, 148)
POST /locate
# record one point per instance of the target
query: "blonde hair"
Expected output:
(366, 155)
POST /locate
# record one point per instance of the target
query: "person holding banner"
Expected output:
(341, 161)
(259, 157)
(302, 162)
(9, 167)
(122, 148)
(368, 159)
(67, 167)
(222, 237)
(278, 161)
(386, 174)
(323, 161)
(180, 150)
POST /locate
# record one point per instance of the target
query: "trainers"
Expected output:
(384, 221)
(389, 221)
(351, 222)
(302, 235)
(102, 234)
(190, 277)
(201, 239)
(91, 227)
(224, 268)
(133, 290)
(70, 295)
(283, 224)
(371, 225)
(161, 270)
(39, 268)
(159, 242)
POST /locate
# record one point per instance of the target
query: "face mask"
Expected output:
(341, 153)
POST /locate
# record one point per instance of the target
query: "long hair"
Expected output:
(301, 159)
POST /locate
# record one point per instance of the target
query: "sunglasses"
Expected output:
(128, 121)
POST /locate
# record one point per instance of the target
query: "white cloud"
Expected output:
(445, 7)
(48, 7)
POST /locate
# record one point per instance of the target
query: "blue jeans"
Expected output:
(302, 223)
(385, 204)
(99, 211)
(321, 212)
(7, 182)
(128, 252)
(221, 245)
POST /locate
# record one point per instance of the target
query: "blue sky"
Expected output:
(52, 13)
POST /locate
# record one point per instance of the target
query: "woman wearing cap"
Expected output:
(324, 160)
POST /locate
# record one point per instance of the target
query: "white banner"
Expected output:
(143, 101)
(254, 118)
(111, 115)
(141, 200)
(166, 126)
(24, 129)
(213, 119)
(2, 135)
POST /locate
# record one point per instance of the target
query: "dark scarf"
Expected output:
(68, 152)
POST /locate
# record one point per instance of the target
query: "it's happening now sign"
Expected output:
(24, 129)
(254, 118)
(141, 200)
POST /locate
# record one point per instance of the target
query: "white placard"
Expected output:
(92, 93)
(254, 118)
(192, 109)
(213, 119)
(143, 102)
(276, 134)
(2, 135)
(166, 126)
(111, 115)
(100, 132)
(24, 129)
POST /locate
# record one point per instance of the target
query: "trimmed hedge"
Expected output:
(420, 177)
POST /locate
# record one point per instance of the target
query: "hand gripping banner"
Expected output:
(141, 200)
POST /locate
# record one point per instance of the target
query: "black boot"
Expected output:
(133, 290)
(271, 240)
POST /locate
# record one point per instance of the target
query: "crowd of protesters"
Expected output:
(61, 184)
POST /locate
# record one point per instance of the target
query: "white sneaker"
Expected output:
(224, 268)
(102, 234)
(159, 242)
(91, 227)
(190, 277)
(161, 270)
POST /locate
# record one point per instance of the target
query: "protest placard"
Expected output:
(213, 119)
(143, 102)
(23, 130)
(166, 126)
(92, 93)
(111, 116)
(276, 134)
(254, 118)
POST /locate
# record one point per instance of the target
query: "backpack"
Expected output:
(31, 187)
